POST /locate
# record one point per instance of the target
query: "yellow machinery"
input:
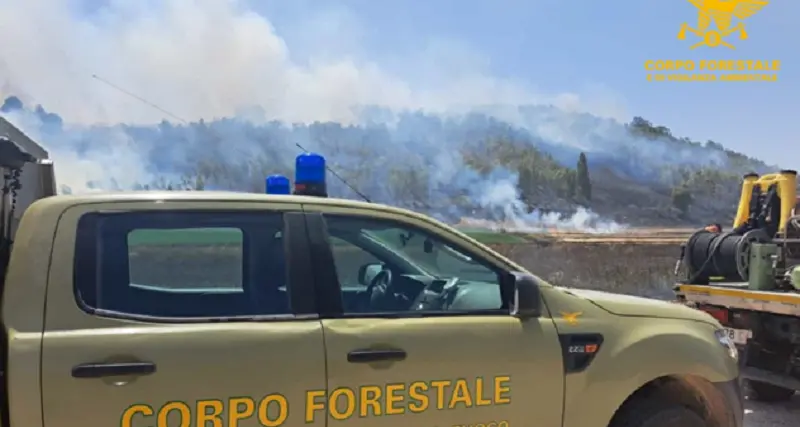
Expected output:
(764, 245)
(785, 185)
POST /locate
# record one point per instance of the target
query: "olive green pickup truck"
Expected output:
(223, 309)
(206, 309)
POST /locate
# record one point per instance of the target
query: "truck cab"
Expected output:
(145, 309)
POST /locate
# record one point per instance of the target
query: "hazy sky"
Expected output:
(311, 59)
(590, 46)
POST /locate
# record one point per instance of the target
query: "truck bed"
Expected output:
(736, 295)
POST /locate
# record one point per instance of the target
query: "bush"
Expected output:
(682, 199)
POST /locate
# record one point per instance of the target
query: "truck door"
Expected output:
(173, 314)
(396, 357)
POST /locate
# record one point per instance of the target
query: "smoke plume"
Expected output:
(155, 91)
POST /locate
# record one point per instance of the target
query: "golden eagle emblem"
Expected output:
(722, 13)
(571, 318)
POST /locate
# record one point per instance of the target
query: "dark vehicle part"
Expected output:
(660, 415)
(727, 255)
(765, 392)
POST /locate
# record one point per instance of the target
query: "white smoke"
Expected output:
(504, 196)
(207, 59)
(211, 58)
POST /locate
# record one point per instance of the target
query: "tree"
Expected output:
(572, 185)
(584, 183)
(526, 184)
(682, 199)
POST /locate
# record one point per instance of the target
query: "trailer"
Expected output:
(748, 278)
(765, 326)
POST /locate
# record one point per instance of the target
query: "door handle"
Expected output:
(372, 355)
(100, 370)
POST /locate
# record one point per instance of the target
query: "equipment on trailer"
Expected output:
(748, 278)
(26, 175)
(764, 233)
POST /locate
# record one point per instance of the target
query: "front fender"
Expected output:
(635, 352)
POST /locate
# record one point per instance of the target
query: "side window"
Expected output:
(181, 264)
(423, 270)
(179, 259)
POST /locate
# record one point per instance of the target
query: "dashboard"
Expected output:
(424, 293)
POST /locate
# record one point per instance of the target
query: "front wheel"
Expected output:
(656, 413)
(763, 392)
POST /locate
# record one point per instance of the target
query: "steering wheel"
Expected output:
(377, 289)
(433, 296)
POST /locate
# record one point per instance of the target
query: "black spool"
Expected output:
(722, 255)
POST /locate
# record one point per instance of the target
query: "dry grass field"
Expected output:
(637, 262)
(618, 266)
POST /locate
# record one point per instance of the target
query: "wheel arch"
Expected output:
(639, 358)
(692, 391)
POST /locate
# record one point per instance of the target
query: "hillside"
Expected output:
(525, 168)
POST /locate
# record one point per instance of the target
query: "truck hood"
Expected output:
(626, 305)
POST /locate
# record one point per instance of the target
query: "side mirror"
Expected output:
(527, 297)
(367, 272)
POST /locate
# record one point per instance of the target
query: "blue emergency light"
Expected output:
(309, 175)
(278, 184)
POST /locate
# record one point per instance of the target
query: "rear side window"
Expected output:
(182, 264)
(187, 259)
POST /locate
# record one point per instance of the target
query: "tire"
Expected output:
(657, 413)
(763, 392)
